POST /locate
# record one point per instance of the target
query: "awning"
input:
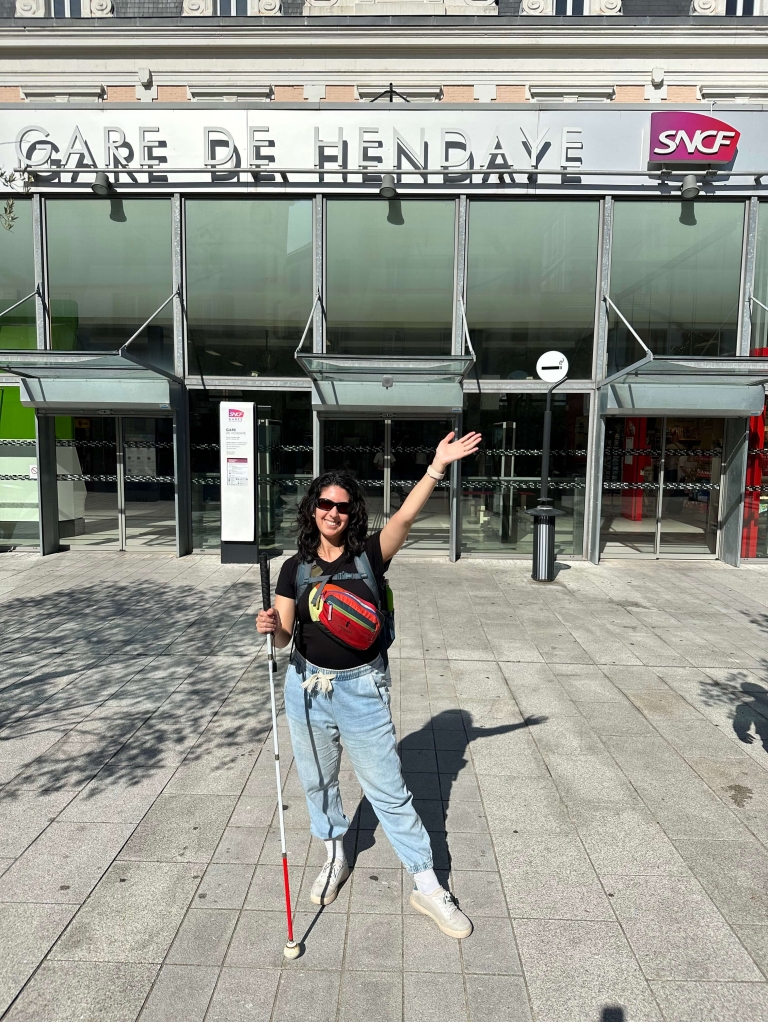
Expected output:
(69, 382)
(385, 386)
(687, 385)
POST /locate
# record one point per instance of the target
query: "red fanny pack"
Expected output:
(346, 617)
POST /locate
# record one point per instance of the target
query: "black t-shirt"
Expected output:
(312, 641)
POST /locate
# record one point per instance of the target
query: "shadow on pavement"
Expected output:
(440, 749)
(128, 676)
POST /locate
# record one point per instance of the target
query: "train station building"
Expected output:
(369, 220)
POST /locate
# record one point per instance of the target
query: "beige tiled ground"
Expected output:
(591, 758)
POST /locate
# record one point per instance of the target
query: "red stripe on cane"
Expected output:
(287, 898)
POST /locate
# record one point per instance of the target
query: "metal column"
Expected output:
(596, 441)
(387, 469)
(41, 275)
(182, 456)
(731, 513)
(120, 470)
(744, 342)
(454, 539)
(47, 484)
(182, 470)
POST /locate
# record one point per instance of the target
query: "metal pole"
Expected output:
(120, 472)
(544, 489)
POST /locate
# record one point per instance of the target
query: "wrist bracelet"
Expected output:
(434, 474)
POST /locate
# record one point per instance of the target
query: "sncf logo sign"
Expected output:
(691, 138)
(236, 413)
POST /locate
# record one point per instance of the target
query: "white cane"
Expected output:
(292, 949)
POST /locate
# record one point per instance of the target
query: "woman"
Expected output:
(336, 694)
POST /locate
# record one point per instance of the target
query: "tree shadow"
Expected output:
(433, 758)
(111, 681)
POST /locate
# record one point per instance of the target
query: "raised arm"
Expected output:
(395, 532)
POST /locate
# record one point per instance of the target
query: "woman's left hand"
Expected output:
(450, 450)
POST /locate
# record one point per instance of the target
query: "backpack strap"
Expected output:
(365, 572)
(303, 576)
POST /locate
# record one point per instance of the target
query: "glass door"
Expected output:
(87, 456)
(116, 485)
(690, 500)
(631, 476)
(357, 446)
(413, 443)
(661, 487)
(148, 490)
(388, 457)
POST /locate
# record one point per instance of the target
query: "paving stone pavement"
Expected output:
(591, 758)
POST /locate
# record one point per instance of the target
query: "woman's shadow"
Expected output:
(433, 758)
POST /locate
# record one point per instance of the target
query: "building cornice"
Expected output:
(307, 36)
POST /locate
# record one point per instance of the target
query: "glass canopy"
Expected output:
(687, 385)
(83, 381)
(360, 369)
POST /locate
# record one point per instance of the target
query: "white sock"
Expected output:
(426, 881)
(335, 850)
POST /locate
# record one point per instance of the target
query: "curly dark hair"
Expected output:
(357, 529)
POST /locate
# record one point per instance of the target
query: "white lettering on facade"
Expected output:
(570, 148)
(147, 146)
(361, 149)
(213, 144)
(534, 147)
(77, 146)
(672, 139)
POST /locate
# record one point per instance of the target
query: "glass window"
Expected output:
(285, 463)
(754, 537)
(531, 278)
(18, 482)
(17, 280)
(249, 285)
(109, 269)
(502, 479)
(675, 269)
(389, 276)
(739, 8)
(760, 289)
(566, 7)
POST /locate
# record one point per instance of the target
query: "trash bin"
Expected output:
(543, 542)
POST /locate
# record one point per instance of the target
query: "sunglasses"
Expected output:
(325, 504)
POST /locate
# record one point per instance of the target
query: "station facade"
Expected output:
(421, 256)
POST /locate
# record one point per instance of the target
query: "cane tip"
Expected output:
(292, 950)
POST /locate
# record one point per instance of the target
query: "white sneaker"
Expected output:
(329, 880)
(441, 907)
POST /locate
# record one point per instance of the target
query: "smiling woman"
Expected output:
(333, 601)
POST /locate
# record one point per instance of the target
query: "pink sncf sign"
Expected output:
(683, 137)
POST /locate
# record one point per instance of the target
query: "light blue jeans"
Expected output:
(356, 714)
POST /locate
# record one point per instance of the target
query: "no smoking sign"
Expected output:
(552, 367)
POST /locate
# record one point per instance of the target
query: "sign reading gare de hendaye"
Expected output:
(176, 144)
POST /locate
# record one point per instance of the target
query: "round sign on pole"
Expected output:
(552, 367)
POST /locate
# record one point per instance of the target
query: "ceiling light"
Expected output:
(388, 189)
(690, 187)
(101, 184)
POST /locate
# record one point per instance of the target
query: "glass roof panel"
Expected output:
(362, 369)
(80, 365)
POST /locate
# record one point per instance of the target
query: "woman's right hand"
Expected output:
(268, 622)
